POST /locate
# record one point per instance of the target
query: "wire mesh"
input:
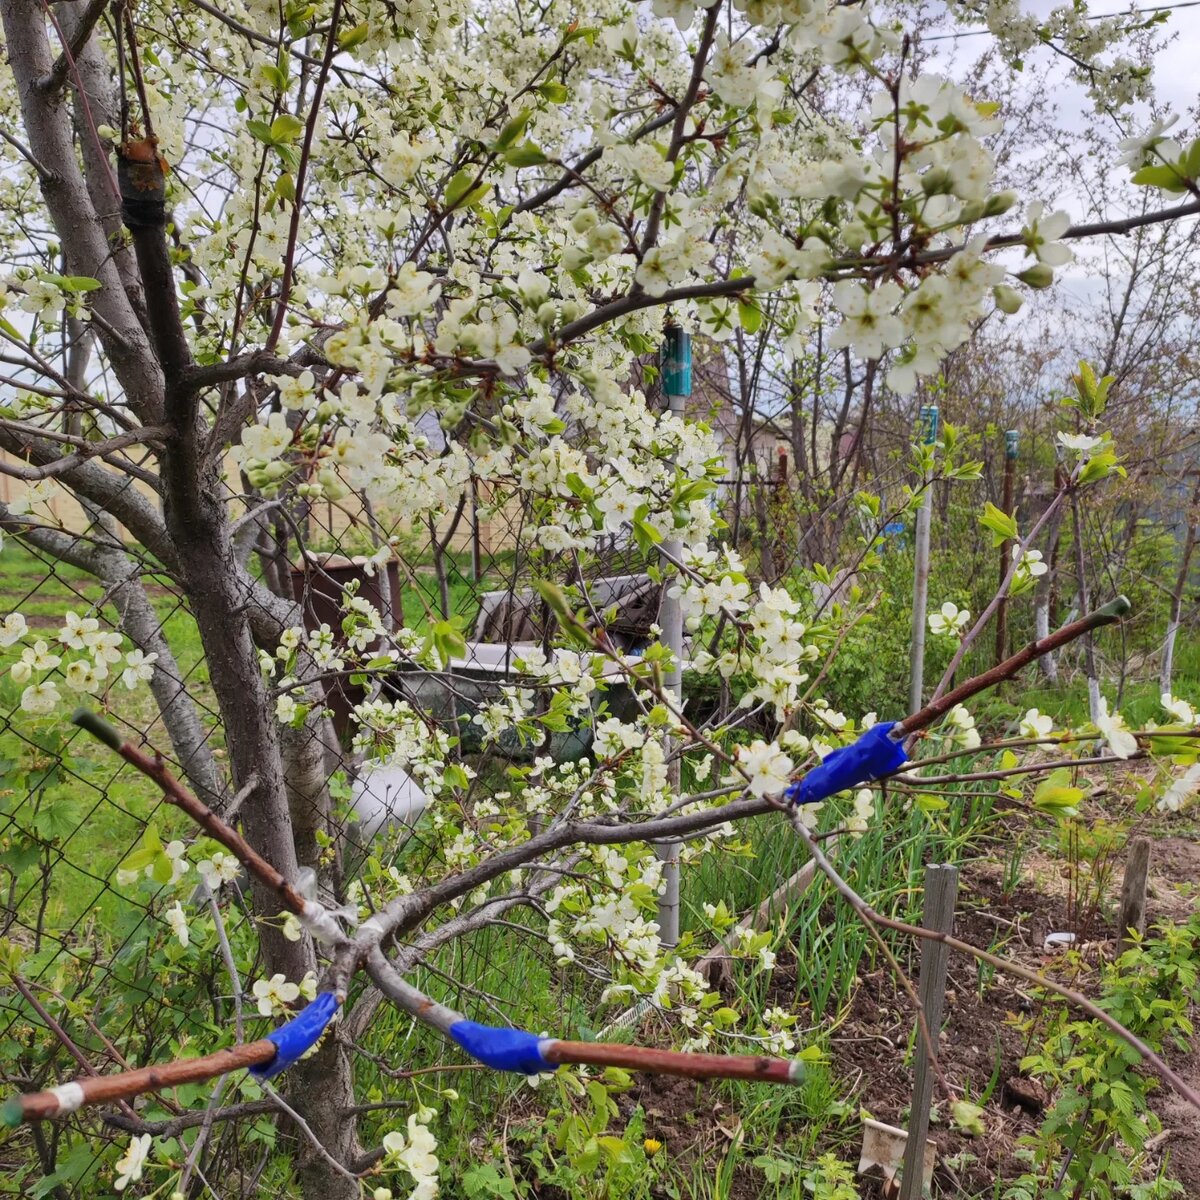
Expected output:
(98, 984)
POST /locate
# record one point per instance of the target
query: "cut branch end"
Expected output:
(99, 728)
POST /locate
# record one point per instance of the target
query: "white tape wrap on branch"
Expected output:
(372, 926)
(69, 1097)
(321, 923)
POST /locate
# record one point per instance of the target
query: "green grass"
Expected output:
(65, 799)
(1139, 698)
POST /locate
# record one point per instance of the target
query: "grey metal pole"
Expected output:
(941, 892)
(677, 386)
(1011, 442)
(916, 678)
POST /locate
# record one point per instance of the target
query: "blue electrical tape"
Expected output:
(502, 1049)
(871, 757)
(298, 1036)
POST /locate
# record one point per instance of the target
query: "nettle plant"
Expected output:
(262, 252)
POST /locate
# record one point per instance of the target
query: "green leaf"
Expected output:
(1191, 160)
(260, 130)
(645, 534)
(696, 490)
(459, 191)
(448, 640)
(55, 821)
(554, 91)
(350, 38)
(139, 859)
(286, 128)
(274, 76)
(486, 1180)
(525, 155)
(1002, 525)
(967, 1116)
(773, 1169)
(1170, 179)
(554, 596)
(931, 804)
(587, 32)
(614, 1147)
(77, 283)
(1102, 464)
(21, 855)
(513, 130)
(750, 315)
(162, 870)
(1056, 794)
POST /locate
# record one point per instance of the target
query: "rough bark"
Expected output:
(92, 71)
(1181, 577)
(48, 125)
(147, 348)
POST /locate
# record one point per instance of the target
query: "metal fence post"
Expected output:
(676, 363)
(916, 679)
(1011, 440)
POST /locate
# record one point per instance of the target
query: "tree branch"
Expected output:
(54, 79)
(61, 466)
(172, 1128)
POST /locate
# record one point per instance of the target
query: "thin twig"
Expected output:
(306, 1129)
(235, 979)
(177, 794)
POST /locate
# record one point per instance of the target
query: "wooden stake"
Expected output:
(676, 361)
(1133, 893)
(941, 892)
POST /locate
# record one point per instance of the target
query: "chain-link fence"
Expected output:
(112, 962)
(110, 965)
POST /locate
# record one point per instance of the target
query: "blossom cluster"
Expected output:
(101, 664)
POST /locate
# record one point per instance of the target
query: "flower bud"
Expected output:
(1001, 202)
(855, 235)
(1007, 299)
(583, 220)
(575, 257)
(1038, 276)
(333, 487)
(937, 182)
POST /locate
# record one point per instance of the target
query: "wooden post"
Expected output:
(916, 679)
(941, 892)
(1011, 438)
(676, 362)
(1133, 892)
